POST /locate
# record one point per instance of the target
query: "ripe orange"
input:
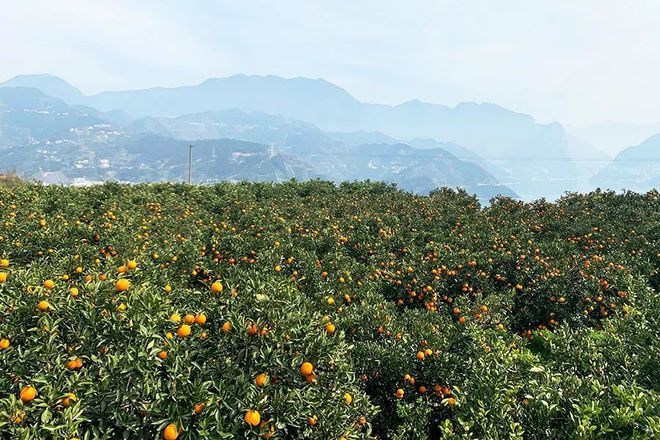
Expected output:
(28, 393)
(226, 327)
(189, 319)
(420, 355)
(122, 269)
(261, 379)
(306, 369)
(311, 421)
(162, 355)
(399, 393)
(4, 263)
(330, 328)
(74, 364)
(252, 329)
(252, 417)
(132, 264)
(43, 305)
(348, 399)
(183, 331)
(170, 432)
(451, 401)
(49, 284)
(200, 319)
(4, 344)
(199, 407)
(122, 285)
(74, 291)
(68, 400)
(217, 287)
(3, 277)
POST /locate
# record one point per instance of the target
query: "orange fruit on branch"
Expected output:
(252, 417)
(170, 432)
(43, 306)
(28, 394)
(306, 368)
(122, 285)
(217, 287)
(261, 379)
(183, 331)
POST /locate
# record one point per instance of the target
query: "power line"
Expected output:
(475, 158)
(482, 158)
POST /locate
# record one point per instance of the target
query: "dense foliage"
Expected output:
(306, 310)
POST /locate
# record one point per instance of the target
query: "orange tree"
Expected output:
(309, 310)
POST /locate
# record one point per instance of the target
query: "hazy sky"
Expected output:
(576, 61)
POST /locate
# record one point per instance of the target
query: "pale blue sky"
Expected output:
(576, 61)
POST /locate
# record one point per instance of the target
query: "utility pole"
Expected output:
(190, 147)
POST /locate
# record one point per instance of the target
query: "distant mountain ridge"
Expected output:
(635, 168)
(351, 155)
(533, 159)
(50, 85)
(612, 137)
(26, 114)
(60, 143)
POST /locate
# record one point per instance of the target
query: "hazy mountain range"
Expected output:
(298, 127)
(612, 137)
(46, 139)
(636, 168)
